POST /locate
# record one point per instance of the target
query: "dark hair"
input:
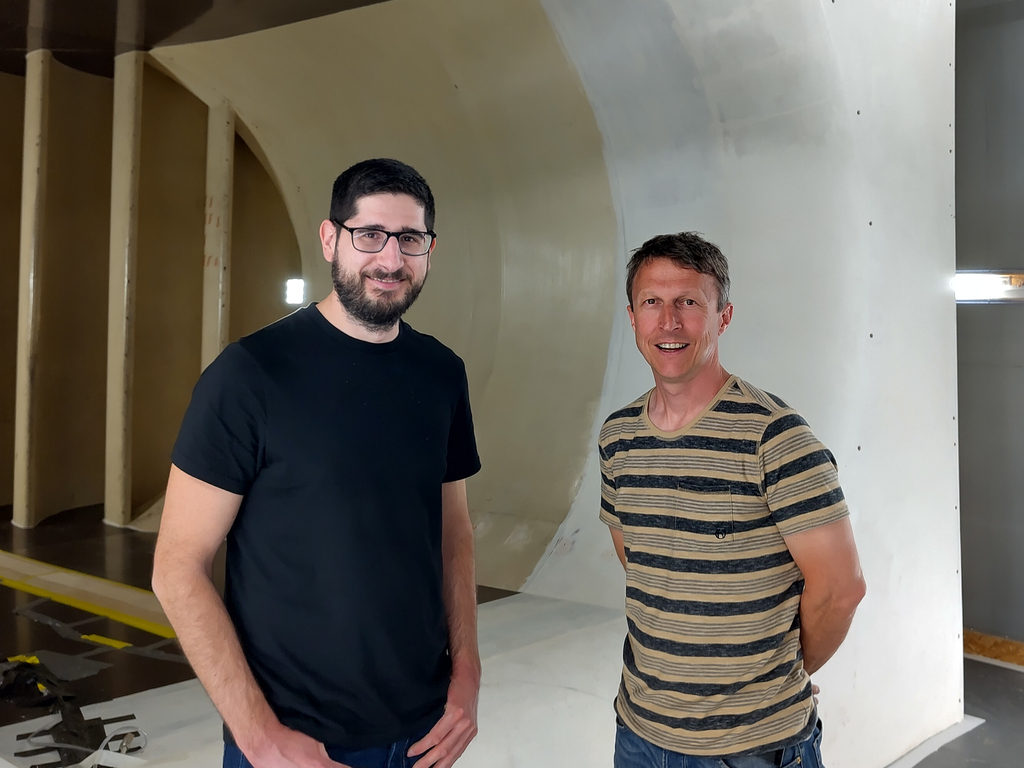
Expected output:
(685, 249)
(373, 177)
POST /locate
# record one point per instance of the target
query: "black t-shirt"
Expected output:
(334, 571)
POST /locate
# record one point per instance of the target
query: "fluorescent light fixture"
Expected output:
(988, 287)
(295, 291)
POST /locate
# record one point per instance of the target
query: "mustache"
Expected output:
(380, 274)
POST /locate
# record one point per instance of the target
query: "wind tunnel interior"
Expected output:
(557, 135)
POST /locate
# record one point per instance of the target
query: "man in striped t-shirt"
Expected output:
(742, 575)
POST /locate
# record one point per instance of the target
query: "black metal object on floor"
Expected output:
(58, 635)
(75, 738)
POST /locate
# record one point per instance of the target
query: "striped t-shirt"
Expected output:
(712, 660)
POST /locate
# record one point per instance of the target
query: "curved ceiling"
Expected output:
(84, 34)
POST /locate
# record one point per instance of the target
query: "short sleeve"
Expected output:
(608, 490)
(799, 476)
(463, 459)
(221, 440)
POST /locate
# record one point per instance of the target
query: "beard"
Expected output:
(375, 313)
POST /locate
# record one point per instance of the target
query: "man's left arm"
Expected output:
(451, 735)
(833, 587)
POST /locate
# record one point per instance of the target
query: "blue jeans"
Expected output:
(631, 751)
(391, 756)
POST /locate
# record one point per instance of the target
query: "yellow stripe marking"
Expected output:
(99, 610)
(119, 644)
(123, 603)
(24, 659)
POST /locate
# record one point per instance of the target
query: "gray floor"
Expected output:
(995, 694)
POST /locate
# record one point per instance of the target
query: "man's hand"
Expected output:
(284, 748)
(451, 735)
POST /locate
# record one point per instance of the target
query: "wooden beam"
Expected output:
(220, 169)
(124, 227)
(33, 199)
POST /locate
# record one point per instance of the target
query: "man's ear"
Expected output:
(632, 320)
(726, 318)
(328, 238)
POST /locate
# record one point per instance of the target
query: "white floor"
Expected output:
(551, 669)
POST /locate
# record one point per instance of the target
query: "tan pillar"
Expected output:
(33, 197)
(220, 169)
(124, 225)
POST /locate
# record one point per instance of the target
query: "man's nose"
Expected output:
(670, 319)
(391, 258)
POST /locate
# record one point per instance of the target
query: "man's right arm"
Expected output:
(196, 519)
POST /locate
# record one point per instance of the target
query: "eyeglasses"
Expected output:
(371, 240)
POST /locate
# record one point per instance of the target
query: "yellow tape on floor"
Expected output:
(129, 605)
(24, 659)
(119, 644)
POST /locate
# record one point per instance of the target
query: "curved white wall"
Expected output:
(813, 143)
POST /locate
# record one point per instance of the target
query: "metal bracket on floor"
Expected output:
(74, 738)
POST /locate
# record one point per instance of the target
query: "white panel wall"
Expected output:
(813, 143)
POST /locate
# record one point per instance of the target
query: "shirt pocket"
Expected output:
(711, 502)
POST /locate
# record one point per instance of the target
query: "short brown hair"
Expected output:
(379, 176)
(685, 249)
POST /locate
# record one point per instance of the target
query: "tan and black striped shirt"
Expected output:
(712, 662)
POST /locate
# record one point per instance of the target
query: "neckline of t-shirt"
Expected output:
(733, 379)
(368, 347)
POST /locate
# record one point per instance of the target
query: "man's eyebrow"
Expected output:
(382, 228)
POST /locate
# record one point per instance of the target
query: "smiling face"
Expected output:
(676, 320)
(377, 288)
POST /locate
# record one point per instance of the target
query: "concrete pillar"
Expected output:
(220, 170)
(124, 224)
(33, 196)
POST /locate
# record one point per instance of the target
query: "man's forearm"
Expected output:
(824, 621)
(208, 637)
(460, 596)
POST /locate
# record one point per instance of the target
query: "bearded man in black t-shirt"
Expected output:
(331, 450)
